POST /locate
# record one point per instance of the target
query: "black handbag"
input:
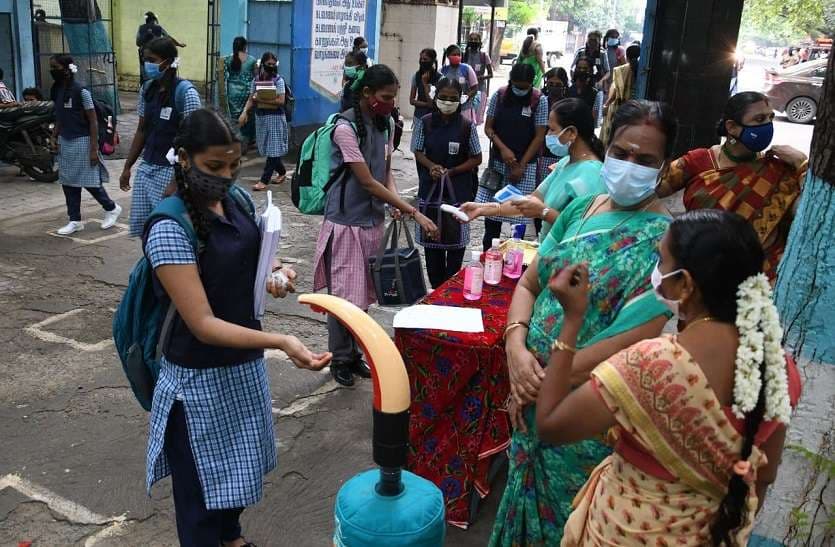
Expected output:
(451, 231)
(397, 272)
(491, 179)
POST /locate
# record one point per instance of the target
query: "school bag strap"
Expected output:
(339, 175)
(180, 94)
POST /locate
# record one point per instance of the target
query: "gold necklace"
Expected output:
(696, 322)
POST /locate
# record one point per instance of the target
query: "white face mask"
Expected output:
(628, 183)
(656, 279)
(447, 107)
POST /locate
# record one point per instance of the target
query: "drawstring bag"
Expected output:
(453, 234)
(397, 271)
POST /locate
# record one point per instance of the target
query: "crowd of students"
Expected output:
(583, 336)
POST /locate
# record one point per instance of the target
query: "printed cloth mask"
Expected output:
(380, 108)
(656, 279)
(152, 70)
(350, 72)
(454, 60)
(556, 146)
(555, 92)
(628, 183)
(207, 186)
(447, 107)
(757, 138)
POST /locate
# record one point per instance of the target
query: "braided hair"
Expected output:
(720, 250)
(200, 130)
(165, 49)
(374, 78)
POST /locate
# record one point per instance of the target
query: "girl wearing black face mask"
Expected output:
(211, 420)
(420, 96)
(271, 131)
(480, 61)
(76, 132)
(582, 86)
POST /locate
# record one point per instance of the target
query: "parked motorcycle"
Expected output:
(26, 139)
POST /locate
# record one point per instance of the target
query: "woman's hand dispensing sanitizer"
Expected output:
(455, 211)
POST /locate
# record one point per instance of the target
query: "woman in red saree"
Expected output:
(699, 419)
(737, 176)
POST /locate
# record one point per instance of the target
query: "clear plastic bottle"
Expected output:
(493, 264)
(473, 277)
(514, 257)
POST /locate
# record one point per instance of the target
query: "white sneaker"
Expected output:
(110, 217)
(72, 227)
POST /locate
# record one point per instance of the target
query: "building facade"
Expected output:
(16, 47)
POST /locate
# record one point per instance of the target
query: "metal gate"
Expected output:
(213, 59)
(82, 29)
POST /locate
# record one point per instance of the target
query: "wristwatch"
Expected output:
(545, 212)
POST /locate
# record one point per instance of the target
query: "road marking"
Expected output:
(74, 512)
(123, 231)
(303, 403)
(46, 336)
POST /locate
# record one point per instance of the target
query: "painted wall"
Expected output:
(407, 29)
(233, 22)
(23, 51)
(185, 20)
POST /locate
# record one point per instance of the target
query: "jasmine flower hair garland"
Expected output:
(760, 335)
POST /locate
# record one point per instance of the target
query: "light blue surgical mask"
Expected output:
(628, 183)
(556, 146)
(152, 70)
(518, 91)
(613, 42)
(364, 50)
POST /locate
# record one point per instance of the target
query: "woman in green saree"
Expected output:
(617, 236)
(238, 72)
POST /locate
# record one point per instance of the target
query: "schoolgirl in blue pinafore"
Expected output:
(72, 103)
(161, 114)
(271, 130)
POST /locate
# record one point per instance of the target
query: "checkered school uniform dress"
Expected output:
(529, 180)
(150, 180)
(474, 146)
(74, 167)
(228, 409)
(271, 132)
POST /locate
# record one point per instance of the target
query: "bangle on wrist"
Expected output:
(514, 325)
(559, 345)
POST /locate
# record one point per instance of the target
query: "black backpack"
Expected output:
(289, 102)
(106, 118)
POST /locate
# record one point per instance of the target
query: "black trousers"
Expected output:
(72, 194)
(196, 525)
(273, 165)
(441, 264)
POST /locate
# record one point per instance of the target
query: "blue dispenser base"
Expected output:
(413, 518)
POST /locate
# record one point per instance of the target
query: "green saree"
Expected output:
(620, 248)
(238, 85)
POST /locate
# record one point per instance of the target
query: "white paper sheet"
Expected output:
(440, 318)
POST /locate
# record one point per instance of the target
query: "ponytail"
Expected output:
(238, 45)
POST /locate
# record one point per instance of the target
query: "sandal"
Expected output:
(260, 187)
(279, 179)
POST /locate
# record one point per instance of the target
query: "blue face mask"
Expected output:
(756, 138)
(556, 146)
(613, 42)
(519, 92)
(628, 183)
(152, 70)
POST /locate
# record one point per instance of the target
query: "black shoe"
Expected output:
(360, 368)
(341, 372)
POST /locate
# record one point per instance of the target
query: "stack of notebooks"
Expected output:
(265, 95)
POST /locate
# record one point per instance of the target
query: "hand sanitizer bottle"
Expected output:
(514, 257)
(493, 264)
(473, 277)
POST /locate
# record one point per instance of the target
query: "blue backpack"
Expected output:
(142, 322)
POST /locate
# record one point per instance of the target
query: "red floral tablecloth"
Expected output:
(459, 385)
